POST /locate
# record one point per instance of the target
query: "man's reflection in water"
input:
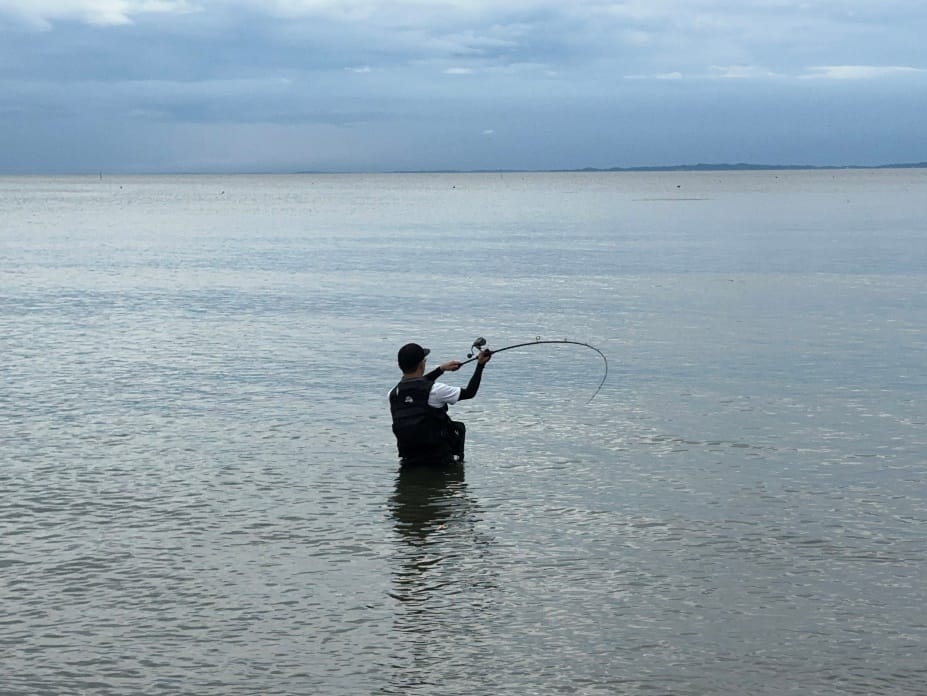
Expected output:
(443, 575)
(427, 498)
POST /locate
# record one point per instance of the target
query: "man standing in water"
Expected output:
(424, 432)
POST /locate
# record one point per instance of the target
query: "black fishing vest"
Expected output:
(418, 427)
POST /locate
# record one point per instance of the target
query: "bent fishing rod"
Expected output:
(480, 345)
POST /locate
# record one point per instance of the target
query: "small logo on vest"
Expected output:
(409, 399)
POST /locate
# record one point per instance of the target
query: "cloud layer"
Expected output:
(370, 84)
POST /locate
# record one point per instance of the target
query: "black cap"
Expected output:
(410, 355)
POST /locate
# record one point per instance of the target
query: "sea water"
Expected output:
(199, 491)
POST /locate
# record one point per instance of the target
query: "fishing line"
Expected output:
(480, 343)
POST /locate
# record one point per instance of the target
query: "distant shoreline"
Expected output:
(752, 167)
(701, 167)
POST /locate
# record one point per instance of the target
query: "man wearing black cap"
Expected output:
(424, 431)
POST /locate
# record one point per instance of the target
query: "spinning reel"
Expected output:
(477, 346)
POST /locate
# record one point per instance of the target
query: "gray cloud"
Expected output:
(248, 83)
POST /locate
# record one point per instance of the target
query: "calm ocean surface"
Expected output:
(198, 484)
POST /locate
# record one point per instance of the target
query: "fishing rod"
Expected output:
(480, 345)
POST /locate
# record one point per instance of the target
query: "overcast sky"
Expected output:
(381, 85)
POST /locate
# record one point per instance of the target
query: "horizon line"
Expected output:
(698, 167)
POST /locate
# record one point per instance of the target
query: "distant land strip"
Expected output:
(749, 167)
(701, 167)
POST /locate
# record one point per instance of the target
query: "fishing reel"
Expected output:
(477, 346)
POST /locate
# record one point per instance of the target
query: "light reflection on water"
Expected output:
(198, 483)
